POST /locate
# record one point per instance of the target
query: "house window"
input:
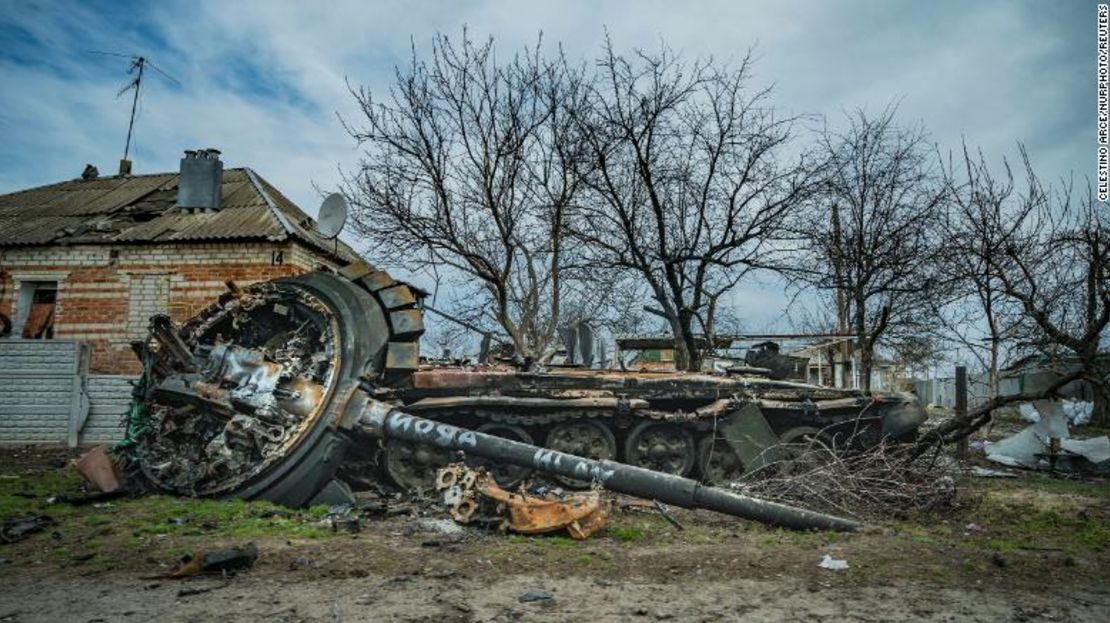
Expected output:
(38, 302)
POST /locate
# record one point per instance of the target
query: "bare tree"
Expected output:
(688, 186)
(470, 164)
(1052, 261)
(869, 235)
(974, 312)
(1055, 265)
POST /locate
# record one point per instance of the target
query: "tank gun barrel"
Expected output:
(384, 420)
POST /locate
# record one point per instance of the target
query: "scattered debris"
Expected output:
(1047, 444)
(663, 511)
(97, 500)
(221, 562)
(535, 595)
(343, 517)
(19, 528)
(973, 528)
(187, 592)
(99, 469)
(301, 562)
(471, 494)
(1077, 412)
(985, 472)
(832, 564)
(439, 526)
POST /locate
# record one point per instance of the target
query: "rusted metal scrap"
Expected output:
(472, 494)
(275, 386)
(219, 562)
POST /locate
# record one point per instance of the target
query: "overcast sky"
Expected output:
(264, 80)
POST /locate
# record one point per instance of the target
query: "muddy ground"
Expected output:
(1031, 548)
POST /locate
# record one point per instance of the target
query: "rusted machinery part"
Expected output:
(466, 489)
(587, 438)
(661, 447)
(368, 327)
(246, 454)
(383, 420)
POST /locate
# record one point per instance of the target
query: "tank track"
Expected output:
(693, 437)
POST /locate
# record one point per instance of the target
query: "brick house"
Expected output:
(91, 259)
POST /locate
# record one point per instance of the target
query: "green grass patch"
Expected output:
(628, 534)
(139, 520)
(1042, 512)
(559, 542)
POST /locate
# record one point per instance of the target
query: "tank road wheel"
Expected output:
(586, 438)
(662, 447)
(717, 461)
(413, 466)
(805, 449)
(506, 475)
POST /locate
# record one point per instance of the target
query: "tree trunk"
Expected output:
(863, 343)
(1101, 414)
(865, 362)
(681, 350)
(685, 346)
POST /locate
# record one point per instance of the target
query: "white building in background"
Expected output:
(835, 362)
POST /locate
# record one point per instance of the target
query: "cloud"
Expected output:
(264, 80)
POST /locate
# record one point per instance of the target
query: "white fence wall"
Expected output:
(41, 397)
(109, 401)
(46, 397)
(942, 392)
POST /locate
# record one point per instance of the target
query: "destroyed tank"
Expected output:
(265, 394)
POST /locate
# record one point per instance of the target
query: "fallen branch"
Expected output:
(663, 511)
(960, 427)
(883, 481)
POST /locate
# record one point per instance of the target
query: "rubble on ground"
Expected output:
(1047, 443)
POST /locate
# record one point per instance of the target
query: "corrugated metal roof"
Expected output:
(142, 208)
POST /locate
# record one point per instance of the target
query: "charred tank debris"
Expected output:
(277, 388)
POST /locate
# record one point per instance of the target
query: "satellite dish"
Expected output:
(333, 216)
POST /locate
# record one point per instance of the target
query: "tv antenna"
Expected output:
(138, 66)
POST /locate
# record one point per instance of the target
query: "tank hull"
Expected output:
(261, 395)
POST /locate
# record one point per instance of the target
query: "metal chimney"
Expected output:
(198, 186)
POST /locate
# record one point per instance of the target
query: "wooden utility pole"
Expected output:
(961, 407)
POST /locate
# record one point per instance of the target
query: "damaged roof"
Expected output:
(143, 209)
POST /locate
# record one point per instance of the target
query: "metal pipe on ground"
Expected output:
(383, 420)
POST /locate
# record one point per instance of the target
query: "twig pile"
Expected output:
(883, 481)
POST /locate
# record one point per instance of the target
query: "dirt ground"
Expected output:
(1034, 548)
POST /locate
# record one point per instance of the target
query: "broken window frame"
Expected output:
(37, 310)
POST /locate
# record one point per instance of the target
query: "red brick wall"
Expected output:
(105, 294)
